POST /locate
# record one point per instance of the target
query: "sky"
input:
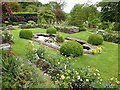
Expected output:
(69, 4)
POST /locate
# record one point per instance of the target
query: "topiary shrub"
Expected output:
(51, 30)
(59, 38)
(95, 39)
(26, 34)
(71, 48)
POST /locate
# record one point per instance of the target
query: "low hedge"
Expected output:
(26, 34)
(71, 48)
(95, 39)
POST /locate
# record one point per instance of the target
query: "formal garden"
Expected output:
(44, 47)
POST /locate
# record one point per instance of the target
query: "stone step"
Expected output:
(75, 39)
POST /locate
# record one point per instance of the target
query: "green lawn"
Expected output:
(107, 62)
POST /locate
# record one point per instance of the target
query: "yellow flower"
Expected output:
(62, 77)
(23, 81)
(95, 51)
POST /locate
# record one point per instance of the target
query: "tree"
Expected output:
(6, 9)
(109, 11)
(45, 15)
(31, 5)
(57, 10)
(15, 6)
(81, 13)
(31, 8)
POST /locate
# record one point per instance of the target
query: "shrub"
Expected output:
(82, 29)
(117, 26)
(98, 50)
(71, 48)
(59, 38)
(67, 29)
(51, 30)
(21, 73)
(95, 39)
(6, 37)
(27, 34)
(41, 52)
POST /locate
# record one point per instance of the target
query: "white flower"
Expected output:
(118, 82)
(97, 70)
(68, 71)
(95, 74)
(111, 79)
(81, 80)
(98, 74)
(78, 77)
(87, 80)
(101, 80)
(45, 74)
(22, 65)
(65, 66)
(62, 77)
(58, 62)
(77, 73)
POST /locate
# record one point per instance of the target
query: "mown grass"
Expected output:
(107, 62)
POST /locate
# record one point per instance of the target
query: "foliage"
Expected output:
(59, 38)
(31, 52)
(57, 10)
(82, 28)
(15, 6)
(51, 30)
(81, 13)
(6, 9)
(109, 50)
(116, 26)
(111, 37)
(104, 25)
(6, 37)
(109, 11)
(24, 13)
(21, 17)
(98, 50)
(95, 39)
(34, 5)
(87, 77)
(41, 52)
(71, 48)
(27, 34)
(67, 29)
(45, 15)
(21, 73)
